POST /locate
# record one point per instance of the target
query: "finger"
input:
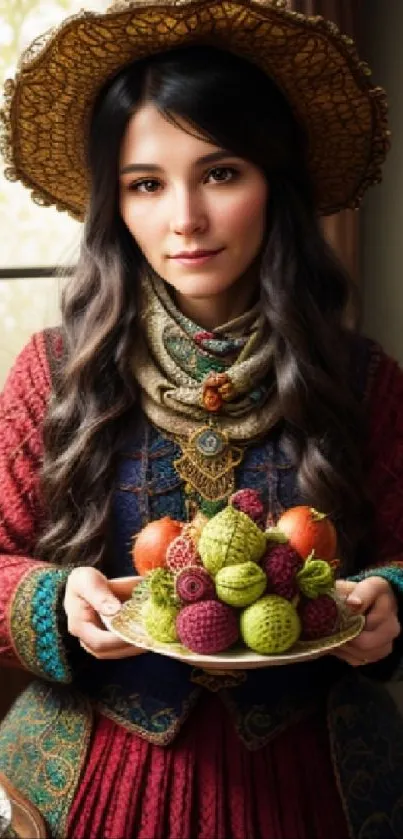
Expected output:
(375, 652)
(368, 641)
(385, 632)
(366, 592)
(90, 585)
(124, 651)
(384, 611)
(80, 615)
(122, 587)
(359, 659)
(350, 659)
(99, 640)
(344, 587)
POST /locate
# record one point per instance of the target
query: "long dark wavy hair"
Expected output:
(304, 293)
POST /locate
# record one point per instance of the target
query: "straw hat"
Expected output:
(48, 105)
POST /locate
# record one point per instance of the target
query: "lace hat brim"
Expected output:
(49, 103)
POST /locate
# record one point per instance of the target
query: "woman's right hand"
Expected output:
(88, 595)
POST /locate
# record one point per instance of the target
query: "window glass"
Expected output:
(30, 236)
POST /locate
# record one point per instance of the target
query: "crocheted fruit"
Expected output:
(194, 528)
(240, 585)
(315, 577)
(207, 627)
(193, 584)
(229, 538)
(161, 587)
(271, 625)
(281, 564)
(181, 553)
(308, 530)
(248, 501)
(150, 545)
(160, 622)
(319, 617)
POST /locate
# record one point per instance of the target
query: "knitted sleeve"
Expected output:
(384, 458)
(30, 591)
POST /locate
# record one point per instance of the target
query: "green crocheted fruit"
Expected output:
(240, 585)
(271, 625)
(160, 622)
(315, 578)
(229, 538)
(161, 585)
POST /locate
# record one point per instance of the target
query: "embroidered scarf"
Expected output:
(188, 375)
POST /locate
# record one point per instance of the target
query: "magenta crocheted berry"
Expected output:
(193, 584)
(281, 564)
(207, 627)
(319, 617)
(181, 553)
(248, 501)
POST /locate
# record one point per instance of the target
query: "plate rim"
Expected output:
(254, 662)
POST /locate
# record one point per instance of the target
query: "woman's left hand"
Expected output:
(374, 598)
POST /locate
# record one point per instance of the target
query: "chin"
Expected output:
(199, 286)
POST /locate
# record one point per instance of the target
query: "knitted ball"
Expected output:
(240, 585)
(316, 577)
(281, 564)
(160, 622)
(207, 627)
(229, 538)
(193, 584)
(248, 501)
(161, 585)
(181, 553)
(319, 617)
(271, 625)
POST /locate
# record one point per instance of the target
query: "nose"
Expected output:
(188, 214)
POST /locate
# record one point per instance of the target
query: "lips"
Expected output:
(195, 254)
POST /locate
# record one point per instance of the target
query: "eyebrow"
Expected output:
(213, 157)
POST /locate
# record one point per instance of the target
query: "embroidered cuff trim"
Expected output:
(34, 623)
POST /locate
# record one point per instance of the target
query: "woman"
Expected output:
(201, 255)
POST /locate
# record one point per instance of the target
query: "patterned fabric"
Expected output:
(173, 358)
(207, 786)
(34, 623)
(43, 743)
(366, 733)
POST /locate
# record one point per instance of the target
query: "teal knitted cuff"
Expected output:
(35, 623)
(391, 573)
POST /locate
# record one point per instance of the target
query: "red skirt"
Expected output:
(207, 785)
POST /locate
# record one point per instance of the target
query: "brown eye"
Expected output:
(147, 185)
(222, 174)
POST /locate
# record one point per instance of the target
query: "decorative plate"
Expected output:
(127, 625)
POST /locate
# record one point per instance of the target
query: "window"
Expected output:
(33, 240)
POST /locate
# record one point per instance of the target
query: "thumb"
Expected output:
(92, 587)
(362, 596)
(103, 600)
(344, 588)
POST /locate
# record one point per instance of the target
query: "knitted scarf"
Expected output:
(207, 390)
(187, 375)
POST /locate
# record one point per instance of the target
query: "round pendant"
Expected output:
(210, 442)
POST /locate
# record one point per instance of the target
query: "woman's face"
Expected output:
(196, 211)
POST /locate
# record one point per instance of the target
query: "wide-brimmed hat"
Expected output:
(49, 103)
